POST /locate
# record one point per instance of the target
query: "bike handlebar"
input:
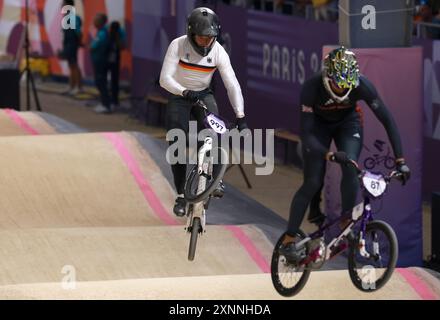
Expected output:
(199, 103)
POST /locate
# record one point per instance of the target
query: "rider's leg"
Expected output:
(178, 117)
(198, 114)
(315, 213)
(349, 139)
(314, 170)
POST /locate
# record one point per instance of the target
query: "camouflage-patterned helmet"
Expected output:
(341, 66)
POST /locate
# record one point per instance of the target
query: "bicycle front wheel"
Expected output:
(192, 192)
(288, 278)
(371, 265)
(195, 230)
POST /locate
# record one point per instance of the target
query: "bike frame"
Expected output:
(365, 216)
(361, 212)
(204, 167)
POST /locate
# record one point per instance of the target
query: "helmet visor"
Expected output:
(204, 41)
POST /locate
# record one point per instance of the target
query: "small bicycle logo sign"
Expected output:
(377, 159)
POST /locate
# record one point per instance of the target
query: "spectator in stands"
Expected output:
(278, 6)
(423, 14)
(299, 7)
(100, 55)
(435, 31)
(69, 52)
(320, 8)
(333, 10)
(117, 44)
(434, 5)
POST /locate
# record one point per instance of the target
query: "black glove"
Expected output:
(241, 124)
(404, 171)
(192, 96)
(340, 157)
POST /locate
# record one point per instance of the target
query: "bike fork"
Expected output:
(368, 217)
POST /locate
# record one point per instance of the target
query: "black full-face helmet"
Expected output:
(202, 22)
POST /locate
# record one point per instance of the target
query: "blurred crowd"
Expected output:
(427, 19)
(426, 14)
(107, 40)
(324, 10)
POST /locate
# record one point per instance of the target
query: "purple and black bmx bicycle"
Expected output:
(372, 245)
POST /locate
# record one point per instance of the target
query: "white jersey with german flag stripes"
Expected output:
(184, 69)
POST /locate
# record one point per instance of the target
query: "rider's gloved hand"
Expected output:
(404, 171)
(190, 95)
(241, 124)
(339, 157)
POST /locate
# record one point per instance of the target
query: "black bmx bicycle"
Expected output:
(372, 245)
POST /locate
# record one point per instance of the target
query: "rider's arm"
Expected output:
(231, 83)
(307, 123)
(372, 98)
(169, 68)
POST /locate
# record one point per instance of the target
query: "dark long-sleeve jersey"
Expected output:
(319, 108)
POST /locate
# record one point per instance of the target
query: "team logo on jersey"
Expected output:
(209, 60)
(307, 109)
(329, 101)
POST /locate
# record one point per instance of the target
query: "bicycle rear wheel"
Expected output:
(195, 230)
(287, 278)
(191, 192)
(369, 274)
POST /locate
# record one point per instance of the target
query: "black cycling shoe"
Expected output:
(219, 191)
(180, 207)
(317, 219)
(291, 253)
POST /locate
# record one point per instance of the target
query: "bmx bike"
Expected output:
(372, 245)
